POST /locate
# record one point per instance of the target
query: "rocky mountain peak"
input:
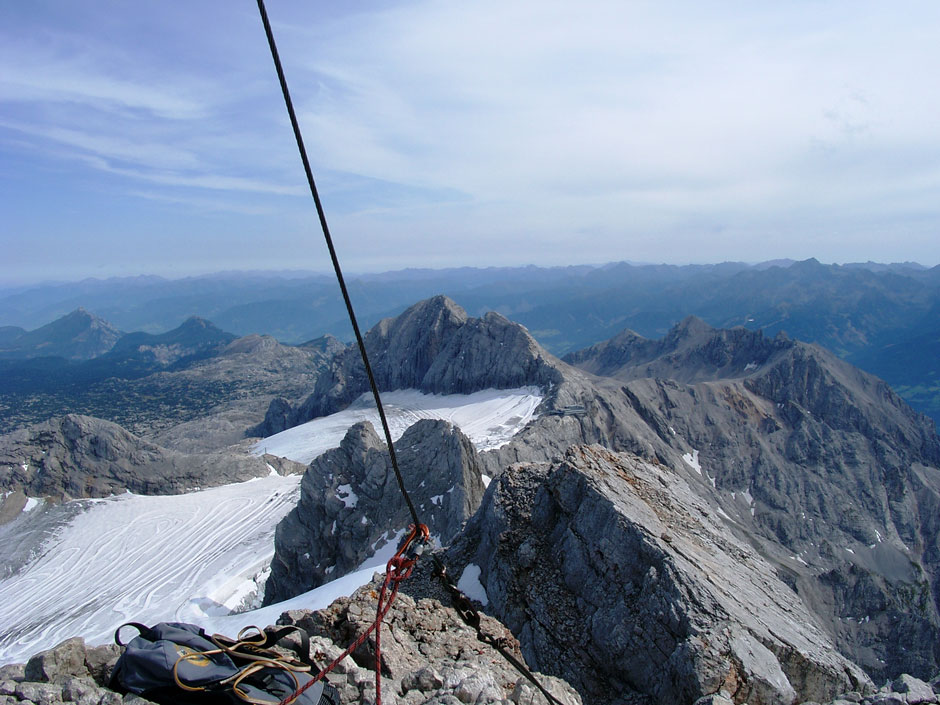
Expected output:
(433, 347)
(197, 323)
(194, 337)
(325, 344)
(79, 335)
(434, 315)
(690, 328)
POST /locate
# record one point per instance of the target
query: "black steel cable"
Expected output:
(336, 267)
(463, 605)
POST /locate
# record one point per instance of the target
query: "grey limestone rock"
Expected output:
(914, 690)
(691, 352)
(827, 470)
(100, 660)
(63, 661)
(428, 654)
(78, 456)
(351, 506)
(13, 672)
(617, 577)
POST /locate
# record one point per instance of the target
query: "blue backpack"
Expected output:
(173, 663)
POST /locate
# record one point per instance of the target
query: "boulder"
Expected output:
(58, 663)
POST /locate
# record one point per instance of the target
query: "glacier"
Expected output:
(88, 566)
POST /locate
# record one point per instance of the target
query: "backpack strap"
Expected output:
(253, 644)
(275, 634)
(145, 631)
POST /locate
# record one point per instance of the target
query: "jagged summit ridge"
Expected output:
(434, 347)
(692, 351)
(619, 578)
(823, 466)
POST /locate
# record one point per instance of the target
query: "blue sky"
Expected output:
(150, 137)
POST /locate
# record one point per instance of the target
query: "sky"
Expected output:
(151, 137)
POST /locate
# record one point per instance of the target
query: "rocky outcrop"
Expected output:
(433, 347)
(80, 456)
(615, 576)
(429, 657)
(351, 507)
(70, 673)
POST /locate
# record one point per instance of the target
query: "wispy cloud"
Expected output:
(514, 128)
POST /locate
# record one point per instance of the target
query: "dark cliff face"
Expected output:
(433, 347)
(351, 506)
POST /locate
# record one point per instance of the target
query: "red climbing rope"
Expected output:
(398, 568)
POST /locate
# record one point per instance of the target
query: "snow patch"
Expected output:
(486, 480)
(692, 460)
(470, 584)
(317, 599)
(348, 497)
(381, 556)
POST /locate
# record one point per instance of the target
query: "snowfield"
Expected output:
(490, 418)
(142, 559)
(86, 567)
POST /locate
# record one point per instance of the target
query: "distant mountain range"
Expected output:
(885, 318)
